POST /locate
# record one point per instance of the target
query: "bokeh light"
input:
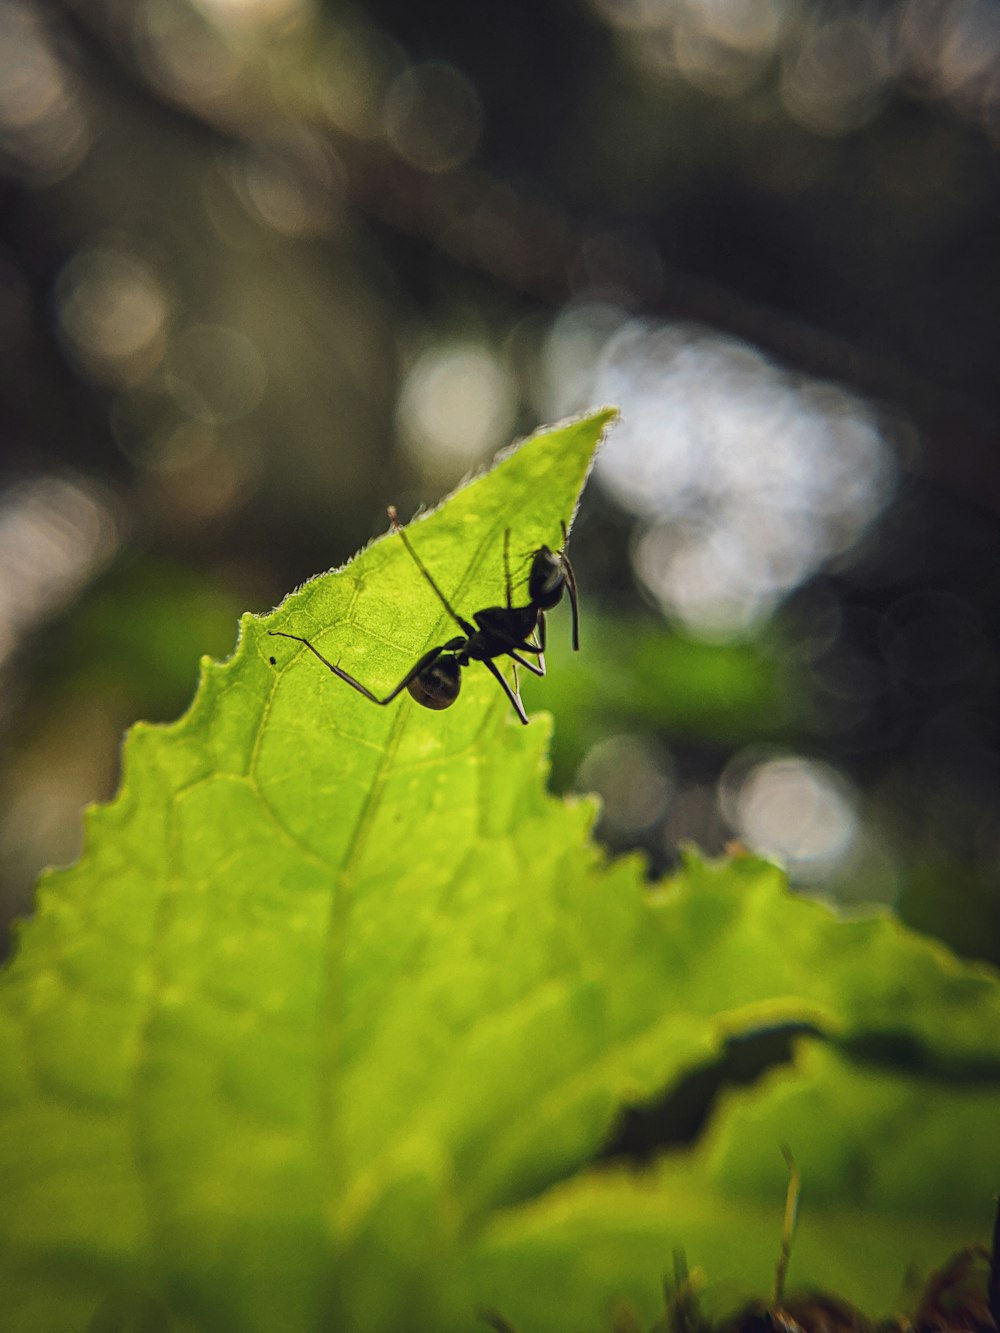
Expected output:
(572, 353)
(56, 533)
(113, 313)
(183, 53)
(433, 117)
(799, 810)
(255, 13)
(457, 402)
(634, 779)
(837, 77)
(836, 68)
(44, 128)
(355, 68)
(293, 182)
(747, 479)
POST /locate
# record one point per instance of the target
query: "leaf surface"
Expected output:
(898, 1173)
(338, 999)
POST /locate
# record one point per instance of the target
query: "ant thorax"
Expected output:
(502, 628)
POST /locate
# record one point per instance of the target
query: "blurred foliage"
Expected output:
(634, 674)
(140, 632)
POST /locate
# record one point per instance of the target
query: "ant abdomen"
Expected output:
(438, 685)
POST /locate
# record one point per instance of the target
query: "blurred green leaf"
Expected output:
(635, 674)
(898, 1172)
(936, 882)
(337, 996)
(139, 632)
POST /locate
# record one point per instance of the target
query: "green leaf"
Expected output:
(325, 1027)
(197, 1035)
(899, 1171)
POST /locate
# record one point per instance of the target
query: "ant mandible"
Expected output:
(500, 631)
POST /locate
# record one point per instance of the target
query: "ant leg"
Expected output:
(430, 656)
(537, 648)
(535, 669)
(506, 567)
(464, 625)
(515, 699)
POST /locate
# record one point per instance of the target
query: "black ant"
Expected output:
(500, 631)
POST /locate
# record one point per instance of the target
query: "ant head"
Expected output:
(550, 576)
(547, 578)
(438, 684)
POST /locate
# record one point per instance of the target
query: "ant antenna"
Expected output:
(570, 578)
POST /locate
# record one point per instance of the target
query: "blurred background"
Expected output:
(266, 265)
